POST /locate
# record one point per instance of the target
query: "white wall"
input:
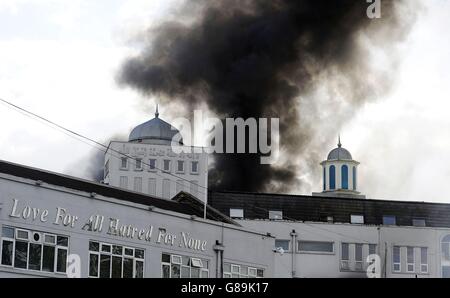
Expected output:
(160, 153)
(328, 265)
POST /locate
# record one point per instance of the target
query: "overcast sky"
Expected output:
(59, 59)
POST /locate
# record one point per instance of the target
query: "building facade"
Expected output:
(333, 233)
(57, 226)
(155, 162)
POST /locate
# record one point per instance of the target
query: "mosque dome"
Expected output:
(154, 131)
(339, 153)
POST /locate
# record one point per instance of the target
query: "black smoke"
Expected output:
(259, 59)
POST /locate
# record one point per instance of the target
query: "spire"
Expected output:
(339, 141)
(157, 113)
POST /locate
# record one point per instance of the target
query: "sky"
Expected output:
(60, 58)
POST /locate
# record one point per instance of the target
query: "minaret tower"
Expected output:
(340, 174)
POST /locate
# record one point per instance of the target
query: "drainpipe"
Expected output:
(219, 248)
(293, 252)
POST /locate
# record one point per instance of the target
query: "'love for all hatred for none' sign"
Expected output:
(114, 227)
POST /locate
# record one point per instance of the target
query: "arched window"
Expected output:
(445, 256)
(344, 176)
(332, 177)
(354, 178)
(324, 178)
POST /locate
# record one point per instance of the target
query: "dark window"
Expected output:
(313, 246)
(344, 176)
(62, 241)
(419, 222)
(152, 163)
(7, 252)
(116, 267)
(389, 220)
(48, 258)
(34, 262)
(194, 167)
(21, 255)
(93, 265)
(332, 177)
(324, 178)
(165, 258)
(61, 260)
(284, 244)
(138, 163)
(180, 166)
(94, 246)
(139, 269)
(105, 263)
(127, 268)
(354, 178)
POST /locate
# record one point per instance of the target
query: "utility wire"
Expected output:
(23, 110)
(81, 138)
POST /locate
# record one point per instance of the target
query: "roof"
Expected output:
(317, 209)
(154, 130)
(339, 153)
(188, 207)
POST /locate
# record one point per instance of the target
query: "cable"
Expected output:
(79, 137)
(94, 141)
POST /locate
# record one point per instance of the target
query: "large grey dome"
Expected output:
(339, 153)
(155, 131)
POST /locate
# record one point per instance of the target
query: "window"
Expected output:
(124, 163)
(316, 246)
(423, 260)
(152, 186)
(354, 178)
(410, 264)
(372, 249)
(180, 166)
(241, 271)
(175, 266)
(138, 164)
(166, 167)
(396, 259)
(237, 213)
(284, 244)
(124, 182)
(389, 220)
(166, 189)
(419, 222)
(138, 184)
(345, 256)
(358, 257)
(194, 167)
(344, 176)
(152, 164)
(275, 215)
(34, 250)
(324, 178)
(357, 219)
(115, 261)
(332, 177)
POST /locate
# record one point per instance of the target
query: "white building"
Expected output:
(331, 233)
(148, 163)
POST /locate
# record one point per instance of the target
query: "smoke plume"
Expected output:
(307, 62)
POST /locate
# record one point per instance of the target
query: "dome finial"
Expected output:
(339, 141)
(157, 112)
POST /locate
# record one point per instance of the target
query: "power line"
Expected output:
(23, 110)
(80, 137)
